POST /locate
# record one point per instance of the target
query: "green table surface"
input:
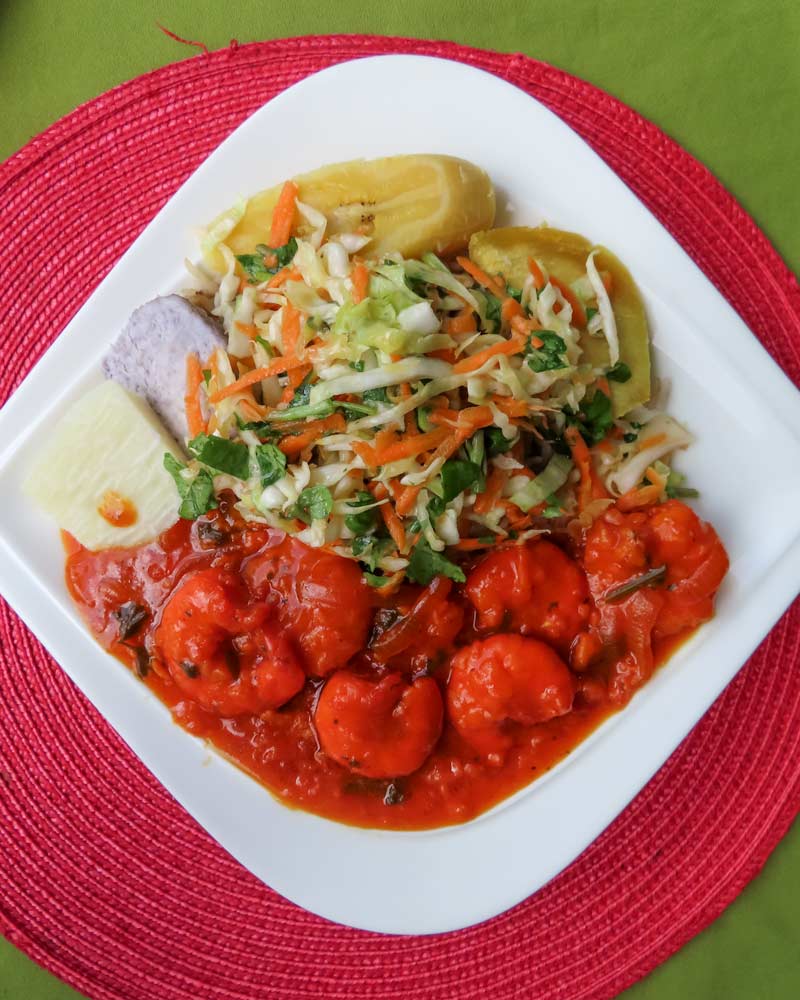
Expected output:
(721, 78)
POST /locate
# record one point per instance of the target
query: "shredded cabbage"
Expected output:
(604, 308)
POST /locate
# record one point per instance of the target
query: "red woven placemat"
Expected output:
(105, 880)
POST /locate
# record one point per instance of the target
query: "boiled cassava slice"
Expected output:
(101, 475)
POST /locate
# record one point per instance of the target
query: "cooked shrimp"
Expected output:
(222, 652)
(420, 637)
(504, 681)
(320, 600)
(380, 729)
(628, 550)
(535, 589)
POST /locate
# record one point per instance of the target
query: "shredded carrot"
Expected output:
(248, 329)
(194, 411)
(511, 309)
(583, 462)
(510, 406)
(384, 438)
(251, 410)
(290, 330)
(294, 380)
(463, 322)
(651, 442)
(285, 274)
(474, 417)
(443, 418)
(242, 285)
(469, 421)
(360, 279)
(283, 215)
(506, 347)
(643, 496)
(406, 500)
(578, 312)
(408, 447)
(525, 327)
(444, 354)
(314, 430)
(471, 544)
(493, 284)
(365, 452)
(410, 420)
(591, 486)
(538, 274)
(494, 488)
(603, 386)
(276, 367)
(393, 523)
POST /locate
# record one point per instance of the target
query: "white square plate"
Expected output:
(745, 413)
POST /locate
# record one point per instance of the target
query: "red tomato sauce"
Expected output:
(117, 510)
(282, 658)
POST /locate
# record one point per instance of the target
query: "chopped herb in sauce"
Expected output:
(130, 616)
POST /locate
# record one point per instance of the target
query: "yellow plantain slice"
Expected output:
(411, 204)
(506, 252)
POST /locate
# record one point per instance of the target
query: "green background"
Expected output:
(721, 78)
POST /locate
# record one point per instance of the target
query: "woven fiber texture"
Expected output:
(103, 878)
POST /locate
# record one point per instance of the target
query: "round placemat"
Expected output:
(106, 881)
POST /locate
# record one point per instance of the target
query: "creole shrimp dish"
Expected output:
(381, 503)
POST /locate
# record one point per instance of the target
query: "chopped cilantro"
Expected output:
(353, 411)
(423, 419)
(254, 267)
(315, 503)
(265, 344)
(283, 255)
(362, 521)
(676, 490)
(619, 373)
(262, 429)
(261, 266)
(206, 375)
(630, 437)
(271, 463)
(515, 293)
(590, 311)
(357, 366)
(553, 508)
(376, 395)
(302, 393)
(369, 550)
(595, 417)
(458, 476)
(222, 455)
(304, 411)
(197, 495)
(497, 442)
(493, 309)
(548, 357)
(436, 507)
(425, 564)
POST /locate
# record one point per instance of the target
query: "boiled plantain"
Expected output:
(506, 252)
(411, 204)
